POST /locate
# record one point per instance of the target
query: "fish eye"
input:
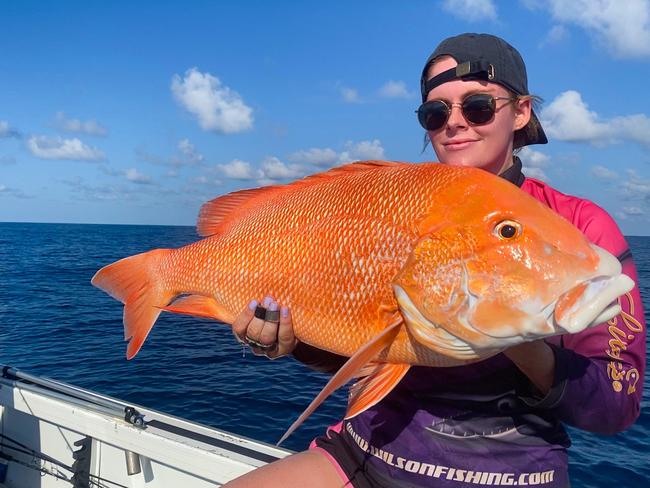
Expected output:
(507, 230)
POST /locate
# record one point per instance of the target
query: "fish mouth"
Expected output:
(592, 302)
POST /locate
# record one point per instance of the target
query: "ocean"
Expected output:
(54, 323)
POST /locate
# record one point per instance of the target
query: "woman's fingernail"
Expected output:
(252, 305)
(273, 307)
(267, 302)
(284, 311)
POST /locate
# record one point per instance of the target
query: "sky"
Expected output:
(139, 112)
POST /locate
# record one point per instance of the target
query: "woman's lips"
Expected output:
(458, 145)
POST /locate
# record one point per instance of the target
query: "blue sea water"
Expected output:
(54, 323)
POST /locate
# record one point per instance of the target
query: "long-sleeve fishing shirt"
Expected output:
(485, 424)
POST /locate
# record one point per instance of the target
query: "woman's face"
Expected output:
(487, 146)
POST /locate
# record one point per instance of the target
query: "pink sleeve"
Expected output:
(599, 371)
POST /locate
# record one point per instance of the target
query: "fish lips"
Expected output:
(594, 305)
(592, 302)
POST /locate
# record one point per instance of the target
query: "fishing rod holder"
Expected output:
(132, 416)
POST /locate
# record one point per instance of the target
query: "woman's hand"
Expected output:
(266, 328)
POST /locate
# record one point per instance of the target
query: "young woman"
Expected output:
(499, 421)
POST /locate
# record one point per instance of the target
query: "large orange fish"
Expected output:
(393, 264)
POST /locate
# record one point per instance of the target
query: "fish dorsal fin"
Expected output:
(349, 370)
(216, 214)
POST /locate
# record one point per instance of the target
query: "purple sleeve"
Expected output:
(599, 371)
(317, 359)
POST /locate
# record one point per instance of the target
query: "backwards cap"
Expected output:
(488, 58)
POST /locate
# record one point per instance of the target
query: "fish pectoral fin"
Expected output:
(198, 306)
(349, 370)
(373, 388)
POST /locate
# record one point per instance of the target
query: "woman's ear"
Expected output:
(523, 107)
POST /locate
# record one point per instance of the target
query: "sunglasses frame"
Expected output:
(449, 105)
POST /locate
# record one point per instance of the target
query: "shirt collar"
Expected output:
(513, 174)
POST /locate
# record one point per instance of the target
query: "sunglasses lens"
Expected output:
(433, 115)
(478, 109)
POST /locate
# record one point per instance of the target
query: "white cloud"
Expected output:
(238, 170)
(12, 192)
(217, 107)
(274, 169)
(555, 35)
(316, 156)
(603, 173)
(633, 211)
(350, 95)
(622, 27)
(58, 148)
(353, 151)
(632, 127)
(537, 173)
(189, 151)
(364, 150)
(90, 127)
(394, 89)
(531, 158)
(568, 118)
(135, 176)
(471, 10)
(635, 187)
(204, 180)
(7, 131)
(534, 163)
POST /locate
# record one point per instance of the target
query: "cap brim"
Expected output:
(533, 133)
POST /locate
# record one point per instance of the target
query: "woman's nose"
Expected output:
(456, 118)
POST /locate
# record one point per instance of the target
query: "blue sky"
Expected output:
(138, 112)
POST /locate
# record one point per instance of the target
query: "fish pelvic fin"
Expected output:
(134, 281)
(371, 389)
(349, 370)
(198, 306)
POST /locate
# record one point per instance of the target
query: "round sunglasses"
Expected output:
(477, 109)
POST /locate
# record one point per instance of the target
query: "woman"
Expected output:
(499, 421)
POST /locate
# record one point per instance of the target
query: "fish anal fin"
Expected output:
(349, 370)
(199, 306)
(217, 214)
(373, 388)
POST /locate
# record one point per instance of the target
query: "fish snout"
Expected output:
(591, 302)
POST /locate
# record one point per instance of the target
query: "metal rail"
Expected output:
(74, 394)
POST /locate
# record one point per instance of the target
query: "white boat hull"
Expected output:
(171, 452)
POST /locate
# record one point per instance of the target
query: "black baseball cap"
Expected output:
(489, 58)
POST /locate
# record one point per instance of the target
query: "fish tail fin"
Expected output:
(135, 281)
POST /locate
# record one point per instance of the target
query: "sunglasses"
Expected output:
(477, 109)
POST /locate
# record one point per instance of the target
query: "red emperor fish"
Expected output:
(392, 264)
